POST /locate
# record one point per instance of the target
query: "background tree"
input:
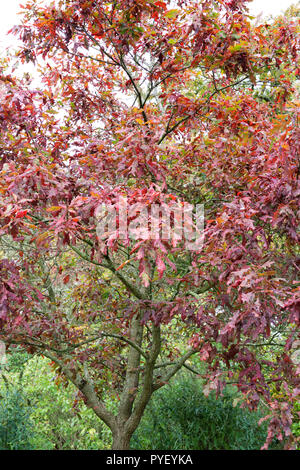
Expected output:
(158, 104)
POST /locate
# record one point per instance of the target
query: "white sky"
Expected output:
(9, 16)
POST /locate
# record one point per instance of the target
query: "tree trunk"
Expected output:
(121, 440)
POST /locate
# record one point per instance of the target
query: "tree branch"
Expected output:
(84, 384)
(176, 368)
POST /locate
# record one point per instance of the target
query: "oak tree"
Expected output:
(147, 104)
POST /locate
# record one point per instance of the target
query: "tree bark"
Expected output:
(132, 378)
(121, 439)
(133, 401)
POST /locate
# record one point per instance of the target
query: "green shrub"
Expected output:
(296, 425)
(181, 417)
(58, 423)
(16, 427)
(16, 361)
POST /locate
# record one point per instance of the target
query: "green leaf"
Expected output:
(171, 13)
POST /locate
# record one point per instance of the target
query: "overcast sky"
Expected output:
(9, 16)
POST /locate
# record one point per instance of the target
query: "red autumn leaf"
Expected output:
(66, 279)
(21, 214)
